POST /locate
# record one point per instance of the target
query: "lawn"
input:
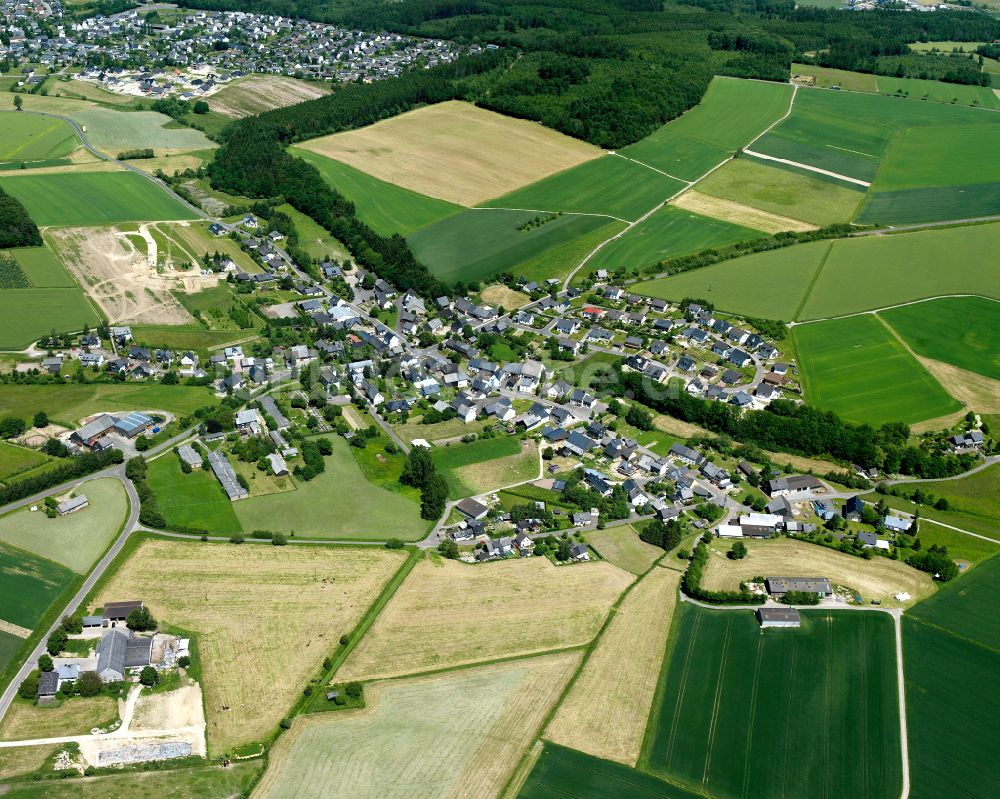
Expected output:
(264, 616)
(794, 194)
(114, 131)
(42, 267)
(381, 753)
(31, 313)
(387, 208)
(485, 465)
(68, 404)
(962, 331)
(669, 232)
(193, 500)
(26, 137)
(622, 546)
(321, 508)
(858, 369)
(112, 197)
(28, 585)
(611, 185)
(455, 151)
(806, 712)
(429, 623)
(77, 540)
(478, 243)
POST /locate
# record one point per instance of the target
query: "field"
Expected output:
(976, 495)
(816, 714)
(28, 585)
(455, 151)
(17, 460)
(669, 232)
(938, 91)
(70, 403)
(77, 717)
(738, 214)
(114, 131)
(478, 243)
(42, 267)
(260, 93)
(793, 194)
(313, 237)
(826, 77)
(387, 208)
(606, 710)
(947, 707)
(112, 197)
(26, 137)
(191, 500)
(77, 540)
(485, 465)
(923, 156)
(622, 546)
(9, 644)
(320, 508)
(16, 761)
(253, 654)
(429, 623)
(878, 578)
(477, 722)
(962, 331)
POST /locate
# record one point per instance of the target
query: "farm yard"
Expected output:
(485, 465)
(427, 624)
(605, 712)
(822, 717)
(259, 93)
(256, 655)
(858, 369)
(476, 721)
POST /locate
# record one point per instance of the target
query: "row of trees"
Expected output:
(420, 472)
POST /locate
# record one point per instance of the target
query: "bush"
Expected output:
(28, 689)
(394, 543)
(738, 552)
(236, 539)
(345, 640)
(800, 598)
(89, 684)
(149, 676)
(140, 620)
(57, 642)
(279, 539)
(353, 690)
(45, 663)
(184, 661)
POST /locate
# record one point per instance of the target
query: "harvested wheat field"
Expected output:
(261, 93)
(455, 151)
(456, 735)
(878, 578)
(737, 213)
(448, 614)
(975, 391)
(500, 296)
(120, 278)
(605, 712)
(264, 618)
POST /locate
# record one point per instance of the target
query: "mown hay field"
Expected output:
(878, 578)
(114, 131)
(782, 712)
(738, 214)
(456, 735)
(606, 710)
(622, 546)
(259, 93)
(455, 151)
(264, 618)
(858, 369)
(826, 77)
(445, 614)
(485, 464)
(78, 716)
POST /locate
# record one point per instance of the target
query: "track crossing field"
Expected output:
(80, 199)
(952, 710)
(962, 331)
(782, 712)
(856, 368)
(26, 137)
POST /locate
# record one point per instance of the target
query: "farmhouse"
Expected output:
(72, 505)
(48, 684)
(117, 612)
(779, 586)
(119, 651)
(189, 455)
(472, 509)
(778, 617)
(794, 485)
(249, 422)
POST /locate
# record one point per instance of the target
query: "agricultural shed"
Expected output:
(778, 617)
(779, 586)
(73, 504)
(472, 508)
(132, 424)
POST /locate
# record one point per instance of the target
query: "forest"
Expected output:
(16, 227)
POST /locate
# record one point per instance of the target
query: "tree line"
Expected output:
(17, 229)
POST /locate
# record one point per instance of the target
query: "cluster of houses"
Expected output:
(521, 544)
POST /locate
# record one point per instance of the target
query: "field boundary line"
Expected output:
(649, 166)
(904, 741)
(959, 530)
(778, 121)
(813, 280)
(877, 311)
(807, 167)
(543, 211)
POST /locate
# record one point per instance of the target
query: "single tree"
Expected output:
(41, 419)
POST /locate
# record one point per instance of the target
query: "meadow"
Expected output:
(622, 546)
(77, 540)
(194, 501)
(17, 460)
(938, 91)
(31, 313)
(669, 232)
(478, 243)
(962, 331)
(826, 77)
(455, 151)
(112, 197)
(858, 369)
(387, 208)
(379, 753)
(254, 655)
(485, 465)
(806, 712)
(427, 624)
(114, 131)
(27, 721)
(313, 237)
(28, 585)
(738, 214)
(26, 137)
(976, 495)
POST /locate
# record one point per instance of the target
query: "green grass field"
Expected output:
(313, 237)
(9, 644)
(941, 156)
(930, 204)
(977, 495)
(29, 314)
(26, 137)
(938, 92)
(782, 191)
(562, 773)
(322, 508)
(16, 460)
(826, 77)
(669, 232)
(42, 267)
(77, 540)
(857, 368)
(186, 337)
(962, 331)
(28, 585)
(191, 500)
(67, 404)
(112, 197)
(477, 243)
(387, 208)
(609, 185)
(114, 131)
(484, 465)
(807, 712)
